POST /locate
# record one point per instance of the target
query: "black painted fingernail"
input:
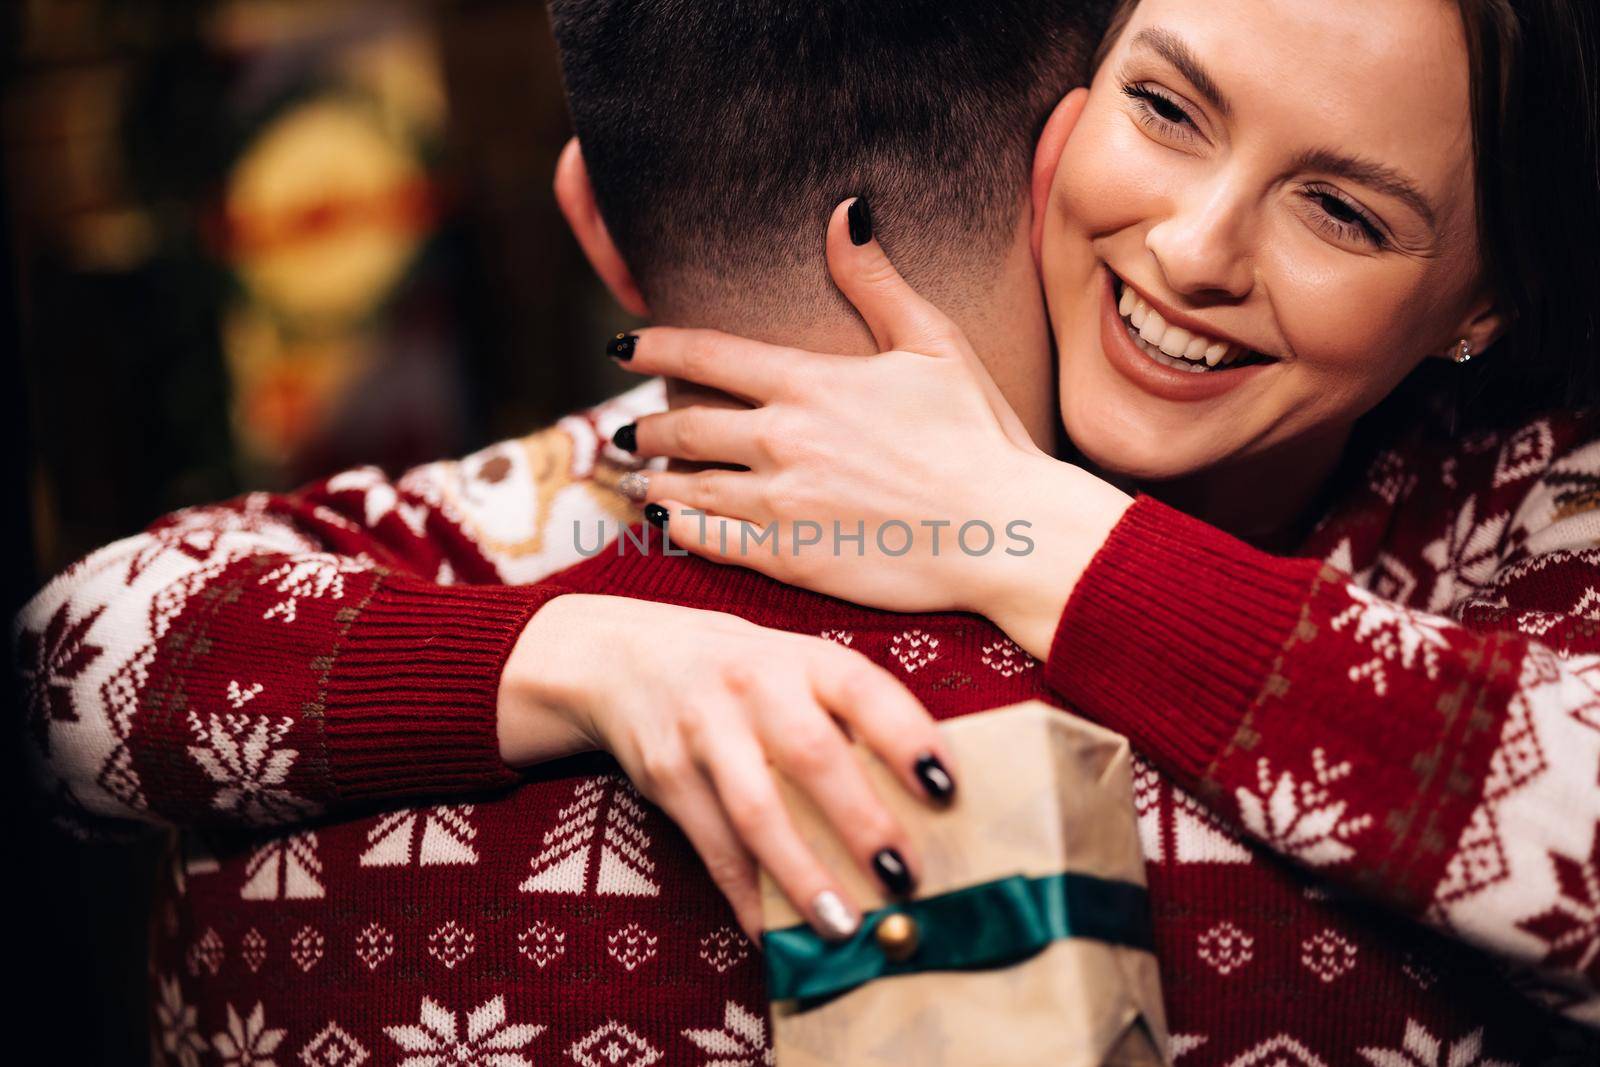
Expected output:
(656, 516)
(934, 778)
(620, 347)
(860, 216)
(892, 872)
(627, 438)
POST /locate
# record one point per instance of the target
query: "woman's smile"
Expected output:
(1231, 270)
(1170, 360)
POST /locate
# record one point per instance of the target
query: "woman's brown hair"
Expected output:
(1536, 136)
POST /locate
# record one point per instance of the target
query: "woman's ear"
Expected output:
(1484, 324)
(1047, 158)
(575, 194)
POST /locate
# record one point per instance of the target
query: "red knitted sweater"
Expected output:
(1370, 805)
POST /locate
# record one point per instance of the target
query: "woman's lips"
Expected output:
(1165, 382)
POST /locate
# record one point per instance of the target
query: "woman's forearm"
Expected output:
(560, 665)
(1373, 743)
(1069, 514)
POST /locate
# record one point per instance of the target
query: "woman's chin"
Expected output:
(1121, 466)
(1126, 452)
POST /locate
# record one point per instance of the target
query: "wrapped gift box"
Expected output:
(1028, 941)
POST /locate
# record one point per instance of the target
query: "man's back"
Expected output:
(568, 903)
(567, 920)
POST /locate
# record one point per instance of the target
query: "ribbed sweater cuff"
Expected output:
(411, 694)
(1171, 633)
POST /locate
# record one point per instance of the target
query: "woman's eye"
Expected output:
(1158, 110)
(1344, 221)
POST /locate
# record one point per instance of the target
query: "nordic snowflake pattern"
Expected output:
(1394, 635)
(244, 757)
(48, 662)
(315, 576)
(248, 1041)
(1301, 817)
(741, 1040)
(1466, 556)
(1420, 1048)
(482, 1038)
(180, 1032)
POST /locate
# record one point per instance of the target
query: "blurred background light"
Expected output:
(248, 243)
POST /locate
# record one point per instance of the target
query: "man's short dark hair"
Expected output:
(718, 133)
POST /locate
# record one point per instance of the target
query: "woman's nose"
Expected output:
(1201, 247)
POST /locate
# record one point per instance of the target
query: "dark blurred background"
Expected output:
(244, 244)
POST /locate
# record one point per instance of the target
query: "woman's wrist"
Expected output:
(542, 711)
(1069, 513)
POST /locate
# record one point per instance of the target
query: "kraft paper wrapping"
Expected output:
(1039, 792)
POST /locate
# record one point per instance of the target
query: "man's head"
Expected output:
(717, 136)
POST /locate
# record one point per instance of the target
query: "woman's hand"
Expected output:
(698, 707)
(902, 481)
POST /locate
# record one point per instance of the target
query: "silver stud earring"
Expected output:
(1463, 351)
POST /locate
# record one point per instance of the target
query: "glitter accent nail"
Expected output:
(634, 485)
(834, 918)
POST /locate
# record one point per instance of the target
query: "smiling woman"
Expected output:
(1528, 155)
(1315, 206)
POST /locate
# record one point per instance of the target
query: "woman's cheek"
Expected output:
(1350, 348)
(1106, 180)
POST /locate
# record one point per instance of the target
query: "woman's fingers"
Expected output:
(718, 493)
(892, 310)
(890, 721)
(807, 745)
(700, 435)
(751, 370)
(693, 805)
(898, 317)
(737, 766)
(715, 537)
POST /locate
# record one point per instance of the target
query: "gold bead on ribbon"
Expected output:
(898, 936)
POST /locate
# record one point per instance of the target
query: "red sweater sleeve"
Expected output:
(280, 656)
(1449, 772)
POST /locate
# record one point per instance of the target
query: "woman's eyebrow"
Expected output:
(1170, 46)
(1379, 176)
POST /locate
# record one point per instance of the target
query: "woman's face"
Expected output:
(1288, 186)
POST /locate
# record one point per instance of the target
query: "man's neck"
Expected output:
(1002, 315)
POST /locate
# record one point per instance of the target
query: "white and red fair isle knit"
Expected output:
(1370, 804)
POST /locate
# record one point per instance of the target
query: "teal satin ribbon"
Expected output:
(981, 926)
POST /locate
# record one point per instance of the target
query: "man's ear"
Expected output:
(1047, 158)
(575, 194)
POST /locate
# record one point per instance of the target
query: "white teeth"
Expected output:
(1154, 328)
(1176, 341)
(1175, 362)
(1168, 345)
